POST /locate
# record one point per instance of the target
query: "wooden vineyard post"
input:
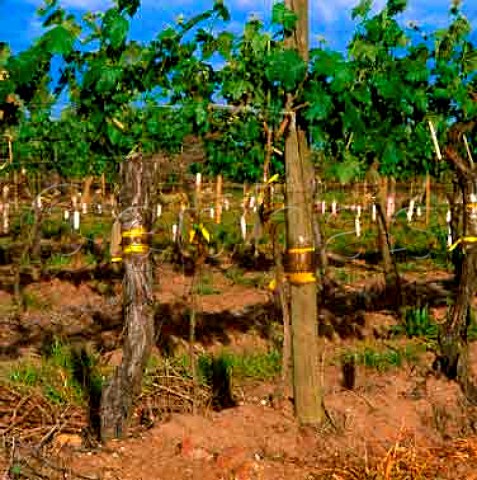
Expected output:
(103, 187)
(15, 190)
(86, 194)
(218, 200)
(135, 201)
(14, 174)
(299, 264)
(35, 238)
(198, 192)
(385, 194)
(428, 199)
(300, 272)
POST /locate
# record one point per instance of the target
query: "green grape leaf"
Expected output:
(282, 15)
(115, 27)
(59, 40)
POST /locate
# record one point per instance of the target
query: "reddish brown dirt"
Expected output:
(379, 427)
(400, 421)
(173, 287)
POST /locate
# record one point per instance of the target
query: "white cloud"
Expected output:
(93, 5)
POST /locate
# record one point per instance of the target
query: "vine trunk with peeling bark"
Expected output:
(135, 201)
(453, 359)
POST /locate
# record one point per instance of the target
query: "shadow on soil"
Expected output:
(342, 313)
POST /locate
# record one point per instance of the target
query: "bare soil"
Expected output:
(403, 423)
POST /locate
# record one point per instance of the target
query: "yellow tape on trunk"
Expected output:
(301, 250)
(136, 248)
(301, 278)
(135, 232)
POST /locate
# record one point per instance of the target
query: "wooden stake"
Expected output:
(428, 198)
(15, 190)
(469, 153)
(103, 186)
(299, 193)
(384, 193)
(85, 197)
(434, 141)
(218, 200)
(198, 191)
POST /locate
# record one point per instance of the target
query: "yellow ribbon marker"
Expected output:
(301, 278)
(272, 285)
(199, 229)
(273, 178)
(116, 259)
(205, 233)
(136, 246)
(301, 250)
(134, 232)
(462, 240)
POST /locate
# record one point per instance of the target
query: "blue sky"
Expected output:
(329, 18)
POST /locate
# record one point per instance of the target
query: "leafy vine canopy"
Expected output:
(234, 92)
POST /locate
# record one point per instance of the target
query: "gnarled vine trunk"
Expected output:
(455, 207)
(136, 219)
(453, 340)
(391, 274)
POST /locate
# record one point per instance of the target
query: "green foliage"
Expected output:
(58, 261)
(115, 28)
(418, 323)
(257, 366)
(58, 374)
(282, 15)
(345, 171)
(285, 68)
(373, 102)
(381, 359)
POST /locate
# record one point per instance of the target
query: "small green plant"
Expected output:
(257, 366)
(58, 260)
(382, 359)
(226, 236)
(55, 395)
(16, 471)
(25, 374)
(418, 323)
(472, 331)
(235, 274)
(54, 229)
(32, 301)
(64, 374)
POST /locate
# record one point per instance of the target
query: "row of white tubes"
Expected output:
(412, 209)
(4, 208)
